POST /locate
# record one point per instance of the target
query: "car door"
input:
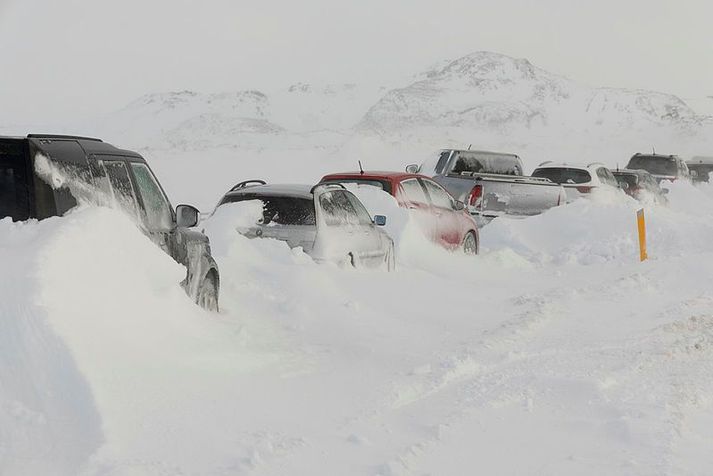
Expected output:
(113, 178)
(412, 195)
(157, 214)
(376, 248)
(449, 232)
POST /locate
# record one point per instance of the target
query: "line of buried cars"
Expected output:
(42, 176)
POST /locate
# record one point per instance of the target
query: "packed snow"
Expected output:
(555, 351)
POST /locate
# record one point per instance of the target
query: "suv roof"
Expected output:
(705, 160)
(376, 174)
(286, 190)
(564, 165)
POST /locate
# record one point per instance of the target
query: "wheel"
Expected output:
(470, 244)
(390, 259)
(207, 297)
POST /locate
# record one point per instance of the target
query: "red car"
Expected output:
(441, 217)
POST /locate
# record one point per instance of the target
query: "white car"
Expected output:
(577, 180)
(327, 221)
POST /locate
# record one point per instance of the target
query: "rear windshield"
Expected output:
(632, 180)
(654, 165)
(14, 183)
(280, 210)
(381, 184)
(563, 175)
(486, 164)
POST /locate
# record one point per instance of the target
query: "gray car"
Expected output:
(327, 221)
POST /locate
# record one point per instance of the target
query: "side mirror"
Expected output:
(186, 216)
(412, 169)
(460, 205)
(379, 220)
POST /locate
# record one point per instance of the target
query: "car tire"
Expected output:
(207, 296)
(470, 244)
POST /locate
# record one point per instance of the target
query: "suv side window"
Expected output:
(158, 211)
(338, 209)
(439, 197)
(414, 191)
(120, 186)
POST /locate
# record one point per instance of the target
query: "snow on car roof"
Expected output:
(291, 190)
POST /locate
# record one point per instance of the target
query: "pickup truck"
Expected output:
(491, 184)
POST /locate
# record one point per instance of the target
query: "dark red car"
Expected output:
(441, 217)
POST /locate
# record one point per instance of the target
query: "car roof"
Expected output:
(482, 152)
(287, 190)
(373, 175)
(89, 144)
(699, 159)
(565, 165)
(630, 172)
(656, 156)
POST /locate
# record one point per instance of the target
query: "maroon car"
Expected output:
(442, 218)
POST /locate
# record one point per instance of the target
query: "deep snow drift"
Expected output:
(554, 352)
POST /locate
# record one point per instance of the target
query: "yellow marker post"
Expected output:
(641, 222)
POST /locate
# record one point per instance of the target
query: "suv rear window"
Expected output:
(280, 210)
(14, 183)
(654, 165)
(563, 175)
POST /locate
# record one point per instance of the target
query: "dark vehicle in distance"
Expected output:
(99, 173)
(700, 168)
(662, 167)
(640, 185)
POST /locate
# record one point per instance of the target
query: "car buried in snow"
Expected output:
(327, 221)
(641, 185)
(578, 180)
(443, 219)
(491, 184)
(43, 176)
(700, 168)
(662, 167)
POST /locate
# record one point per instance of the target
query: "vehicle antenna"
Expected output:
(617, 166)
(361, 169)
(469, 146)
(654, 149)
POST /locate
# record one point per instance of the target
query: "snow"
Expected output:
(555, 351)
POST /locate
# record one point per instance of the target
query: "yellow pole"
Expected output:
(641, 222)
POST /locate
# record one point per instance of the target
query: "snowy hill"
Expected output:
(491, 98)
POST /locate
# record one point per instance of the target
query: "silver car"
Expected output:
(327, 221)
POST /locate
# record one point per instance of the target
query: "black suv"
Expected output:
(662, 167)
(85, 169)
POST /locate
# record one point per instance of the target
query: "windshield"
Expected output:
(654, 165)
(14, 186)
(380, 184)
(280, 210)
(563, 175)
(631, 180)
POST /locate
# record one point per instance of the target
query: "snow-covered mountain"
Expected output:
(502, 94)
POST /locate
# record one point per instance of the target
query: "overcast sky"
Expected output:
(79, 57)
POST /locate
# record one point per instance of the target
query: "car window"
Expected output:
(338, 209)
(156, 206)
(414, 192)
(14, 186)
(654, 164)
(563, 175)
(606, 176)
(120, 186)
(439, 197)
(362, 213)
(280, 210)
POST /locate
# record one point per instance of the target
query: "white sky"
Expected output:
(77, 57)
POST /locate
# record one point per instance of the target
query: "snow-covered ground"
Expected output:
(553, 352)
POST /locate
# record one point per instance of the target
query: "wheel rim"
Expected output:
(470, 246)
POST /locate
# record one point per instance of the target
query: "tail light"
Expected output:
(584, 189)
(476, 196)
